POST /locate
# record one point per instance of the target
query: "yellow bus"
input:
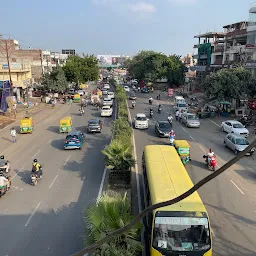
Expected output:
(182, 229)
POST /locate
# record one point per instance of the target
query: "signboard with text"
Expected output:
(170, 92)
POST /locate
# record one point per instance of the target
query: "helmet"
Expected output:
(210, 150)
(35, 161)
(172, 131)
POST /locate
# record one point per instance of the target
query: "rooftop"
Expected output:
(235, 24)
(211, 35)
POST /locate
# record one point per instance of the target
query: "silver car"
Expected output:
(190, 120)
(237, 143)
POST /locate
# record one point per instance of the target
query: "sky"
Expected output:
(117, 26)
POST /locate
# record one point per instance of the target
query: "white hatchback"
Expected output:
(106, 111)
(233, 126)
(111, 95)
(106, 86)
(126, 88)
(141, 121)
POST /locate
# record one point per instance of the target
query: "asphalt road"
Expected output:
(47, 219)
(230, 199)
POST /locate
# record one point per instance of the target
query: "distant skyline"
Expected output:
(117, 26)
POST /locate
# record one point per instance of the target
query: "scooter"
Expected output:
(81, 112)
(133, 105)
(151, 114)
(150, 102)
(171, 140)
(35, 177)
(159, 110)
(212, 163)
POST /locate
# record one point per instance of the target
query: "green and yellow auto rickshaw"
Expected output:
(183, 149)
(26, 125)
(66, 124)
(77, 98)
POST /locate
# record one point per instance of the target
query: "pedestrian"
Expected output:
(180, 113)
(13, 134)
(70, 101)
(14, 107)
(177, 115)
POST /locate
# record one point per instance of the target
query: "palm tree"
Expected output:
(111, 212)
(118, 156)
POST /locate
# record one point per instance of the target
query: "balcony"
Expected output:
(241, 32)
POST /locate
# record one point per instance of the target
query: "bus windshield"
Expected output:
(181, 234)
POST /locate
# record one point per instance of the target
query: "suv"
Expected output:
(94, 125)
(163, 129)
(74, 140)
(190, 120)
(141, 121)
(237, 143)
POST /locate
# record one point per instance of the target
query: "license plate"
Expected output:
(25, 129)
(71, 142)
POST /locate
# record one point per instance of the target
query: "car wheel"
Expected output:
(187, 125)
(236, 152)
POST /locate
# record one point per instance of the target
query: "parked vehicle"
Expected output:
(233, 126)
(141, 121)
(163, 129)
(106, 111)
(111, 95)
(190, 120)
(107, 102)
(237, 143)
(94, 125)
(106, 86)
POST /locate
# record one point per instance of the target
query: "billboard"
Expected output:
(118, 61)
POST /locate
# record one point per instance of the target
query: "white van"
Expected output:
(178, 99)
(181, 106)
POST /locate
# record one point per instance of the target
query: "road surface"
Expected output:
(47, 219)
(230, 199)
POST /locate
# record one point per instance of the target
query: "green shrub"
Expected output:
(111, 212)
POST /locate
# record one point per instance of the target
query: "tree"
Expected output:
(112, 211)
(150, 66)
(56, 80)
(228, 84)
(81, 69)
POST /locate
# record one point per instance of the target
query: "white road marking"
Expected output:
(53, 181)
(237, 187)
(184, 129)
(17, 173)
(215, 123)
(49, 141)
(32, 214)
(36, 154)
(191, 137)
(102, 183)
(66, 160)
(202, 149)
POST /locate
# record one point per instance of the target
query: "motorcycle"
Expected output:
(159, 110)
(170, 118)
(151, 114)
(150, 102)
(133, 105)
(171, 140)
(35, 177)
(81, 112)
(212, 163)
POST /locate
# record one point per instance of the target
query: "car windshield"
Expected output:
(164, 125)
(192, 117)
(141, 118)
(182, 105)
(93, 123)
(107, 99)
(238, 126)
(242, 141)
(72, 137)
(181, 234)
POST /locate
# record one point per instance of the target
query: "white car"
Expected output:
(80, 92)
(126, 88)
(105, 93)
(106, 111)
(106, 86)
(233, 126)
(141, 121)
(111, 95)
(107, 102)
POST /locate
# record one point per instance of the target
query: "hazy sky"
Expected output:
(117, 26)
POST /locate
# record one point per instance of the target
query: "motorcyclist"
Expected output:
(159, 108)
(150, 100)
(172, 134)
(170, 118)
(37, 168)
(133, 103)
(150, 111)
(210, 155)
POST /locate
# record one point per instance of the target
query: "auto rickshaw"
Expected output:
(183, 149)
(77, 98)
(66, 124)
(26, 125)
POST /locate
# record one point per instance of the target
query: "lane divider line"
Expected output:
(49, 141)
(215, 123)
(36, 154)
(191, 137)
(66, 160)
(53, 181)
(183, 128)
(237, 187)
(202, 149)
(32, 214)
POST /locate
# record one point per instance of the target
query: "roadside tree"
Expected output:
(228, 84)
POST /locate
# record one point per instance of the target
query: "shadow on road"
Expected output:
(54, 129)
(25, 176)
(58, 144)
(250, 176)
(7, 139)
